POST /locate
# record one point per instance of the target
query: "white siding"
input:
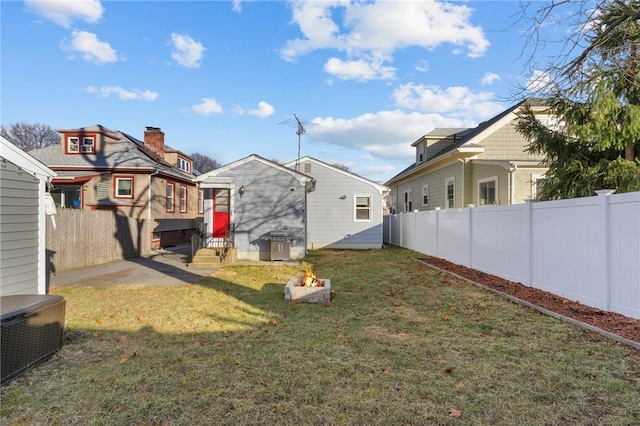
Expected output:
(331, 209)
(19, 230)
(274, 201)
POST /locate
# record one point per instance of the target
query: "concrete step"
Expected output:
(211, 257)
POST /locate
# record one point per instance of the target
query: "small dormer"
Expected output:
(420, 152)
(80, 141)
(184, 163)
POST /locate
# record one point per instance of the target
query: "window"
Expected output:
(450, 184)
(200, 200)
(73, 144)
(487, 191)
(170, 206)
(67, 196)
(534, 185)
(425, 195)
(183, 198)
(408, 200)
(124, 187)
(420, 153)
(184, 164)
(363, 208)
(88, 145)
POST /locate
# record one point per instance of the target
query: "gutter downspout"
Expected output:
(464, 162)
(512, 182)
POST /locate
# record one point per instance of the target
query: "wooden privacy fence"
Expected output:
(85, 238)
(584, 249)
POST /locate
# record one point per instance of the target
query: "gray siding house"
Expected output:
(251, 198)
(344, 211)
(23, 182)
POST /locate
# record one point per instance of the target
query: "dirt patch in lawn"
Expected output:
(626, 327)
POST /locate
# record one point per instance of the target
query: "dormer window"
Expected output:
(75, 146)
(88, 145)
(184, 165)
(420, 153)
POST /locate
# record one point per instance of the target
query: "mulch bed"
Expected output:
(626, 327)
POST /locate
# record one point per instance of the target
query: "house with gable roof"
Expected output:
(311, 204)
(345, 210)
(458, 167)
(23, 214)
(102, 169)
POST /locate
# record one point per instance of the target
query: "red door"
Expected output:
(220, 212)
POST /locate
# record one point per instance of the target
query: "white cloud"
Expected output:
(237, 5)
(372, 31)
(422, 66)
(489, 78)
(540, 81)
(125, 95)
(264, 110)
(186, 51)
(90, 48)
(454, 101)
(385, 135)
(358, 70)
(64, 12)
(208, 106)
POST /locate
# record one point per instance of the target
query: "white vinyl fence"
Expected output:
(583, 249)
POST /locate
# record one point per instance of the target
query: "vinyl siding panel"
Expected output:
(524, 182)
(269, 204)
(18, 231)
(437, 190)
(483, 171)
(331, 220)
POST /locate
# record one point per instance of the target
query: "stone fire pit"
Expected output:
(302, 294)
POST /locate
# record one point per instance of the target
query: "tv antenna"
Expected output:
(298, 123)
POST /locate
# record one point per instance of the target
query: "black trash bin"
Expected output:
(280, 245)
(31, 331)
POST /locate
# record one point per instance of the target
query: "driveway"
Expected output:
(167, 266)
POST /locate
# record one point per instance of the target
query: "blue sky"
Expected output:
(225, 78)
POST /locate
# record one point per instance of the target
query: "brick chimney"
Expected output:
(154, 139)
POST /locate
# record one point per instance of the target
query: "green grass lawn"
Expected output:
(400, 344)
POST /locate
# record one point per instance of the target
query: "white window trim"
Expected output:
(90, 146)
(200, 201)
(183, 196)
(171, 198)
(184, 164)
(77, 144)
(446, 192)
(420, 152)
(534, 185)
(407, 199)
(485, 180)
(425, 186)
(120, 179)
(355, 207)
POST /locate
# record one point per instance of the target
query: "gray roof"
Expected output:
(126, 152)
(467, 134)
